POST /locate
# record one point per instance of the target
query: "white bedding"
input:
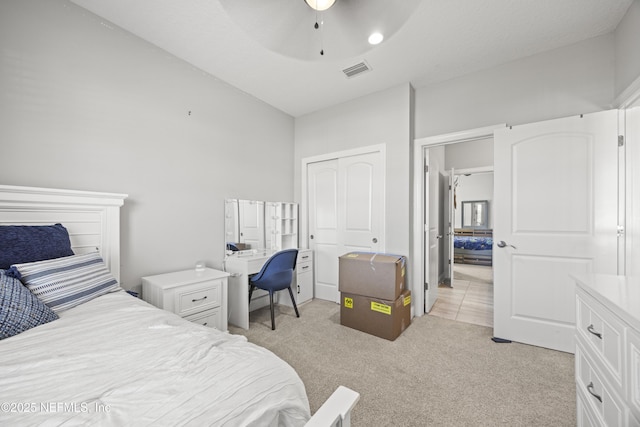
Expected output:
(118, 361)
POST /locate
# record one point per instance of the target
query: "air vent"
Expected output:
(356, 69)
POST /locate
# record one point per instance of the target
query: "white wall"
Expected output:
(566, 81)
(469, 155)
(627, 37)
(628, 84)
(478, 186)
(85, 105)
(380, 118)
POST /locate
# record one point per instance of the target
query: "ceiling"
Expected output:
(249, 43)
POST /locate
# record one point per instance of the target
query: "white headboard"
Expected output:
(92, 219)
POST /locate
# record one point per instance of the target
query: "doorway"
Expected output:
(470, 148)
(465, 292)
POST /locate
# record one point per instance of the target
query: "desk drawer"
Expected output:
(304, 256)
(200, 296)
(304, 267)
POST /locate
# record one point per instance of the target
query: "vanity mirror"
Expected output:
(475, 214)
(258, 225)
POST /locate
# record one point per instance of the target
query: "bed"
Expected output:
(473, 246)
(105, 357)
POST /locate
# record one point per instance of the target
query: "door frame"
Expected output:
(419, 203)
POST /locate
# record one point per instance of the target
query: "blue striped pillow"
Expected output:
(63, 283)
(20, 309)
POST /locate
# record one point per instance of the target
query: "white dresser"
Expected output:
(607, 354)
(198, 296)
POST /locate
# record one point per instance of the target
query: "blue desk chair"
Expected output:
(276, 275)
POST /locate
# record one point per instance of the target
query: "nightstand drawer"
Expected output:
(210, 318)
(198, 297)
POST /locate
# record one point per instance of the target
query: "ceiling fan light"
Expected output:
(320, 5)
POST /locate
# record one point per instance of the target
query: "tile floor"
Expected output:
(470, 298)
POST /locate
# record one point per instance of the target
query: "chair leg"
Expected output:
(273, 323)
(293, 301)
(251, 288)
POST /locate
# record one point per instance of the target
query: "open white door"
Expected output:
(556, 205)
(434, 158)
(451, 223)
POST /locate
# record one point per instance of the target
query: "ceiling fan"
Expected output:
(320, 29)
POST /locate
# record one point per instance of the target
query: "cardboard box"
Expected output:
(372, 274)
(384, 319)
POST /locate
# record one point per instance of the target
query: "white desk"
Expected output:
(241, 267)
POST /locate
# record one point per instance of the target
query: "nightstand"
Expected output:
(198, 296)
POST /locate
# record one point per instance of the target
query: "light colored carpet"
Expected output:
(437, 373)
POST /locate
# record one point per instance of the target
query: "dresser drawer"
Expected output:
(603, 333)
(200, 296)
(586, 416)
(633, 372)
(211, 318)
(599, 395)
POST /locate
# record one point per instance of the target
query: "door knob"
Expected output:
(503, 244)
(439, 236)
(311, 237)
(374, 240)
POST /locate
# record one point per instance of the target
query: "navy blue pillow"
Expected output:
(19, 308)
(31, 243)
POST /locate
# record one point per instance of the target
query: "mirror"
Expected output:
(255, 225)
(475, 214)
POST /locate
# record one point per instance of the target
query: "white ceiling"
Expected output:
(442, 39)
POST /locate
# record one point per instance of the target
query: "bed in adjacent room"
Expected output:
(77, 349)
(473, 246)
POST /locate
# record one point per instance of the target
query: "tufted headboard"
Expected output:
(92, 219)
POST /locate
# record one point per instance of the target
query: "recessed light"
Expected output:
(376, 38)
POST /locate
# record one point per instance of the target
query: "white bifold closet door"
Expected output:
(555, 213)
(346, 205)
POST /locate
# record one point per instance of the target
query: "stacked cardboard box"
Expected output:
(374, 298)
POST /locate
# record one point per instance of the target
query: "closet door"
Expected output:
(360, 204)
(556, 213)
(322, 181)
(346, 213)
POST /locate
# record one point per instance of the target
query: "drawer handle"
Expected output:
(305, 267)
(199, 299)
(590, 329)
(305, 257)
(592, 393)
(205, 323)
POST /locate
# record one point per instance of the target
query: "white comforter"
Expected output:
(118, 361)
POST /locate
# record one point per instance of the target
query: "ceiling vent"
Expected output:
(356, 69)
